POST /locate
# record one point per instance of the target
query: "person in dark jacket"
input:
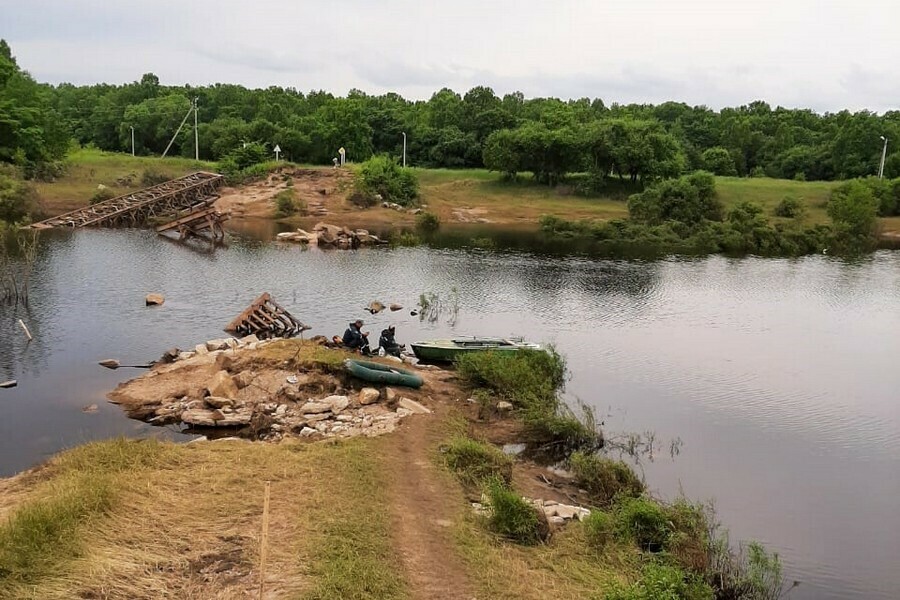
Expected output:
(355, 339)
(388, 343)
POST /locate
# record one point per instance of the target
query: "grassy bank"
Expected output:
(87, 169)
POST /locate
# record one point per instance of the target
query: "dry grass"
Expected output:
(184, 522)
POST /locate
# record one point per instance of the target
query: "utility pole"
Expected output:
(404, 148)
(883, 155)
(196, 134)
(132, 141)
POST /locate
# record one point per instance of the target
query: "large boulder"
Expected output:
(219, 402)
(154, 299)
(203, 417)
(368, 396)
(222, 385)
(333, 230)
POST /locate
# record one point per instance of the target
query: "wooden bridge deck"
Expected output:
(196, 191)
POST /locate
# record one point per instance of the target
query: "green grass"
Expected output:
(603, 478)
(475, 462)
(768, 193)
(353, 555)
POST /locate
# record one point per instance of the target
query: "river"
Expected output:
(780, 377)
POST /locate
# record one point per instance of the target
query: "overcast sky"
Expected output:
(823, 54)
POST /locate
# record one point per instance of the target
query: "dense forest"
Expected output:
(547, 136)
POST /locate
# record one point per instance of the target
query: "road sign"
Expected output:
(277, 151)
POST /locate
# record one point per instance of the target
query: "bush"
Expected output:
(854, 212)
(383, 176)
(427, 221)
(153, 176)
(476, 463)
(603, 478)
(361, 200)
(404, 239)
(287, 204)
(514, 518)
(598, 528)
(790, 207)
(554, 437)
(102, 195)
(689, 200)
(663, 582)
(17, 198)
(643, 521)
(526, 378)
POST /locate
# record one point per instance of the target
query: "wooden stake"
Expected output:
(264, 542)
(25, 329)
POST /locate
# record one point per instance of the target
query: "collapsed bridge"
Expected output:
(177, 197)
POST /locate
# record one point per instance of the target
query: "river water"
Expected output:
(780, 377)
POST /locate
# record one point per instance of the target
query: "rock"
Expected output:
(332, 230)
(395, 307)
(413, 406)
(282, 408)
(90, 408)
(362, 232)
(224, 361)
(390, 395)
(199, 439)
(185, 355)
(222, 385)
(375, 307)
(201, 417)
(154, 299)
(368, 396)
(213, 345)
(504, 406)
(403, 412)
(201, 349)
(553, 520)
(243, 379)
(248, 339)
(308, 431)
(313, 407)
(219, 402)
(344, 418)
(336, 403)
(9, 384)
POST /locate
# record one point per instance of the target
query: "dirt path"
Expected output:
(423, 508)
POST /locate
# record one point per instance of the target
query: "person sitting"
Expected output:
(355, 339)
(388, 343)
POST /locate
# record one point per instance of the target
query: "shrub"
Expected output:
(361, 200)
(663, 582)
(287, 204)
(404, 239)
(643, 521)
(514, 518)
(689, 200)
(475, 462)
(17, 198)
(383, 176)
(154, 176)
(598, 528)
(103, 194)
(854, 212)
(428, 221)
(554, 437)
(605, 479)
(790, 207)
(526, 378)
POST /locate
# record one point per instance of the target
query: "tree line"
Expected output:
(547, 136)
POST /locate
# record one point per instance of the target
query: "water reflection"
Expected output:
(779, 375)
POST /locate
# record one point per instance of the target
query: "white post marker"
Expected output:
(883, 156)
(404, 147)
(277, 152)
(343, 154)
(132, 141)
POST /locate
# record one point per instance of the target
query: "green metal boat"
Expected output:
(448, 350)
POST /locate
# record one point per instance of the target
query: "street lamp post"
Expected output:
(883, 155)
(404, 147)
(132, 141)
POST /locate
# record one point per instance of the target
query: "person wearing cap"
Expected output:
(355, 339)
(388, 343)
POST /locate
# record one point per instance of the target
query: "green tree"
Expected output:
(719, 161)
(853, 209)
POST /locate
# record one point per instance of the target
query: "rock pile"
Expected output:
(268, 403)
(556, 513)
(327, 235)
